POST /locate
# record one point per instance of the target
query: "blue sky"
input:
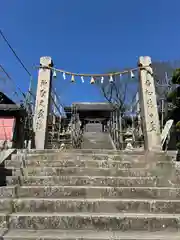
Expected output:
(90, 36)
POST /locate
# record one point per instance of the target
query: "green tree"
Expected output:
(174, 99)
(174, 96)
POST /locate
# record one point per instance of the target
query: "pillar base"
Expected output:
(157, 148)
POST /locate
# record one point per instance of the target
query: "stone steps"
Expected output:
(85, 163)
(4, 219)
(3, 231)
(96, 221)
(90, 194)
(6, 204)
(88, 235)
(84, 151)
(80, 171)
(7, 192)
(80, 156)
(98, 192)
(39, 205)
(90, 205)
(97, 153)
(88, 180)
(94, 139)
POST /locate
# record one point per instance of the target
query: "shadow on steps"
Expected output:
(3, 173)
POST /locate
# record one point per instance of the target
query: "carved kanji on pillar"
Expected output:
(148, 102)
(42, 103)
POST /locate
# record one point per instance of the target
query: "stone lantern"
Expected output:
(129, 140)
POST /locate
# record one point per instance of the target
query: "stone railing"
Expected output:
(5, 155)
(76, 133)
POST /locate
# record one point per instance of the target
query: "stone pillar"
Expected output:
(148, 105)
(120, 128)
(42, 107)
(113, 125)
(110, 124)
(117, 126)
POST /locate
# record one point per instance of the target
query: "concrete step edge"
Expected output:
(81, 234)
(90, 177)
(101, 187)
(39, 167)
(150, 200)
(90, 214)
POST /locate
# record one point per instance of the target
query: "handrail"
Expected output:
(6, 153)
(76, 130)
(77, 134)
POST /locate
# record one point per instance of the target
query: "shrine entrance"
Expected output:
(94, 116)
(80, 115)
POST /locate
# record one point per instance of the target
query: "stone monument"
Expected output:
(148, 105)
(42, 102)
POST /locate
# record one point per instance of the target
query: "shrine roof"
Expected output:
(93, 106)
(4, 99)
(8, 105)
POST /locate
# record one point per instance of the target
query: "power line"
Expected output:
(15, 86)
(8, 76)
(20, 61)
(15, 54)
(58, 98)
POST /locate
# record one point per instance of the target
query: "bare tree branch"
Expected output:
(118, 93)
(115, 92)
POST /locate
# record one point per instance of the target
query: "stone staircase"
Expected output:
(97, 140)
(90, 194)
(94, 138)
